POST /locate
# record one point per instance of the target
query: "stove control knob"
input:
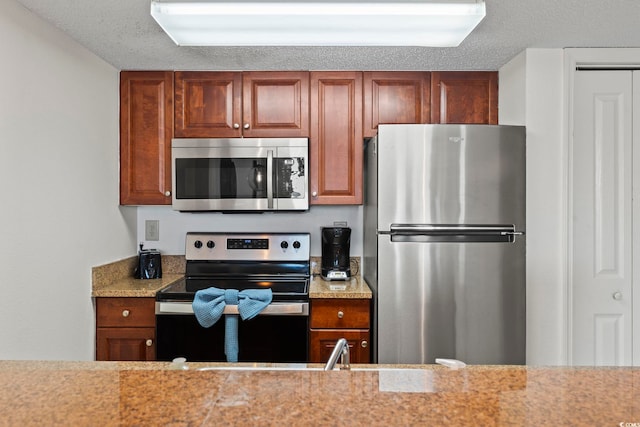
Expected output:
(211, 244)
(296, 244)
(284, 245)
(197, 244)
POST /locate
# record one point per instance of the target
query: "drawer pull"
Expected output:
(149, 343)
(364, 344)
(125, 313)
(340, 315)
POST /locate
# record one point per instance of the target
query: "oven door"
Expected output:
(279, 334)
(251, 174)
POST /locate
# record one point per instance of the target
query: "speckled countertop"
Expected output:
(148, 394)
(116, 280)
(354, 288)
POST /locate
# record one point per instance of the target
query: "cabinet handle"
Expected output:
(246, 126)
(125, 313)
(167, 193)
(617, 296)
(314, 194)
(149, 343)
(364, 344)
(236, 125)
(340, 314)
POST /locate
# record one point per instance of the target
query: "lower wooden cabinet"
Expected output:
(332, 319)
(125, 329)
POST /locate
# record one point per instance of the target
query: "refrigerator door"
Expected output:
(445, 299)
(450, 174)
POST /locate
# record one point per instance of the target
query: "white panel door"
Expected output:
(602, 219)
(636, 218)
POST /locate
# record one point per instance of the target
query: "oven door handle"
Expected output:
(273, 309)
(269, 179)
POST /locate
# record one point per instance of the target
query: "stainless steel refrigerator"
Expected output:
(444, 243)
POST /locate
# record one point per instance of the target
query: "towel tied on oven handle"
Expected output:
(208, 306)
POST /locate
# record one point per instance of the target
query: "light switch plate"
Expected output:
(152, 229)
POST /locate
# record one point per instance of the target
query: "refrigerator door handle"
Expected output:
(452, 233)
(513, 233)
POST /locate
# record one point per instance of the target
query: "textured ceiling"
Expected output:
(124, 34)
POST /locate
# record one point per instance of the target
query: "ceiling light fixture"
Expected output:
(318, 22)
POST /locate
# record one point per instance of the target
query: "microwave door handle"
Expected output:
(270, 179)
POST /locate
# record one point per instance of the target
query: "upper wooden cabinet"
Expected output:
(336, 143)
(208, 104)
(464, 97)
(336, 110)
(395, 98)
(234, 104)
(146, 129)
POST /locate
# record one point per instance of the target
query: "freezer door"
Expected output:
(452, 300)
(450, 174)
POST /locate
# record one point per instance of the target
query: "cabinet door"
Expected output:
(336, 142)
(275, 104)
(208, 104)
(395, 98)
(131, 344)
(146, 129)
(464, 97)
(323, 341)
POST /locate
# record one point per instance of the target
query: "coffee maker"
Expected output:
(335, 253)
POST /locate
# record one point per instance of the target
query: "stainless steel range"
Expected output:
(278, 261)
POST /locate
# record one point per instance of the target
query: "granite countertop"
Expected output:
(147, 393)
(353, 288)
(116, 280)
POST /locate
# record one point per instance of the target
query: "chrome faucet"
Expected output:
(340, 350)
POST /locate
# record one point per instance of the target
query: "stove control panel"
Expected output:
(248, 243)
(247, 246)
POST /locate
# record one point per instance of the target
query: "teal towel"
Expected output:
(208, 306)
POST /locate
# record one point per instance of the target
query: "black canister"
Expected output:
(149, 264)
(336, 263)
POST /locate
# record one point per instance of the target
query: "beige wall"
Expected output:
(59, 212)
(532, 94)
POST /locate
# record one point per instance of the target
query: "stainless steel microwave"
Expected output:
(240, 174)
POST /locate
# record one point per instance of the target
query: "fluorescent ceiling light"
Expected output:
(318, 22)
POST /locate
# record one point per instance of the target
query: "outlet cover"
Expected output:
(152, 229)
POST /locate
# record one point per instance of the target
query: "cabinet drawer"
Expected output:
(340, 313)
(127, 312)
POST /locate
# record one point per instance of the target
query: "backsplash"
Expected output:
(174, 225)
(104, 275)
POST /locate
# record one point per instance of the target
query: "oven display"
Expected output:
(248, 244)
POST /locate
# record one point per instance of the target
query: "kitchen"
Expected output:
(67, 211)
